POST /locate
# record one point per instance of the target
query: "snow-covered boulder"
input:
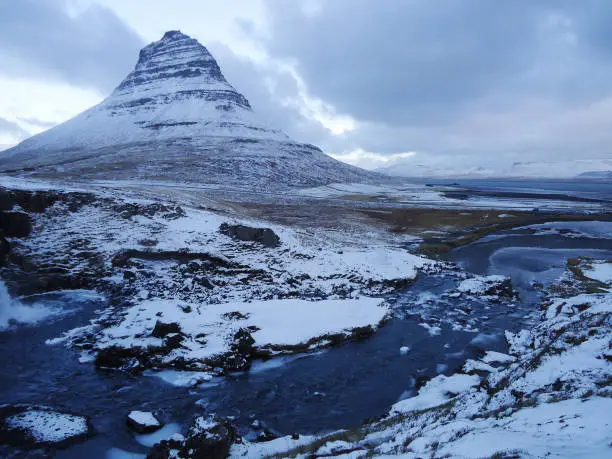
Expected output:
(492, 286)
(34, 427)
(208, 437)
(143, 422)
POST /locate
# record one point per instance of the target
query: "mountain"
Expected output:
(449, 167)
(596, 175)
(176, 118)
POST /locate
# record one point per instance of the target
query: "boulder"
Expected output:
(116, 357)
(33, 427)
(15, 224)
(207, 438)
(143, 422)
(162, 329)
(263, 236)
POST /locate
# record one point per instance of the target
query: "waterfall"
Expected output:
(13, 311)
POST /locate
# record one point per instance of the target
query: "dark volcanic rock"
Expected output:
(15, 224)
(208, 438)
(143, 422)
(264, 236)
(502, 289)
(115, 357)
(162, 329)
(123, 258)
(5, 248)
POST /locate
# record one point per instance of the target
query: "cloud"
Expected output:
(488, 82)
(11, 129)
(53, 39)
(274, 94)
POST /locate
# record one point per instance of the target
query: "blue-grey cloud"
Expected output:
(422, 61)
(12, 129)
(270, 91)
(46, 40)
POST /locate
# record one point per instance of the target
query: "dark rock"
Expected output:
(502, 289)
(160, 450)
(264, 236)
(173, 340)
(243, 342)
(39, 201)
(15, 224)
(124, 258)
(115, 357)
(207, 438)
(5, 248)
(210, 438)
(204, 282)
(143, 422)
(129, 210)
(235, 315)
(162, 329)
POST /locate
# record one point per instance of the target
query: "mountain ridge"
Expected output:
(176, 117)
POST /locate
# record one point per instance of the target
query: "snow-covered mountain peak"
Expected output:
(179, 58)
(176, 118)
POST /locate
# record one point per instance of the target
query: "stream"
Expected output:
(326, 390)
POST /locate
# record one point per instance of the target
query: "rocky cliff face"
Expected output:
(175, 118)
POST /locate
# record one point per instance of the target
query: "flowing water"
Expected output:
(327, 390)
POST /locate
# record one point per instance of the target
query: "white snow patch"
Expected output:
(497, 357)
(480, 284)
(570, 428)
(600, 271)
(48, 426)
(286, 322)
(436, 392)
(404, 350)
(144, 418)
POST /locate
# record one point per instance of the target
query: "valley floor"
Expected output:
(197, 282)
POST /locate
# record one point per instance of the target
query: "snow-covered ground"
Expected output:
(184, 294)
(549, 397)
(600, 271)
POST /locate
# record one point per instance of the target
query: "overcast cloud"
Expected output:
(54, 39)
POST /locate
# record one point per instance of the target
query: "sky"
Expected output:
(377, 83)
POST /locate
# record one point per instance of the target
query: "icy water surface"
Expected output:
(332, 389)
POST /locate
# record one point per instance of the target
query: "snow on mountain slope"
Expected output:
(175, 117)
(449, 167)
